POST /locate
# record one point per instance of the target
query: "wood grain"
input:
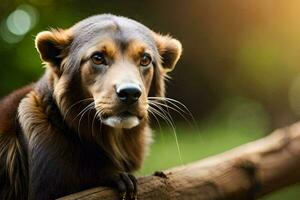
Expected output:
(246, 172)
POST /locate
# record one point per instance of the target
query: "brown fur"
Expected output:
(49, 147)
(13, 164)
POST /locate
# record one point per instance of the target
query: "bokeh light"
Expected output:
(18, 23)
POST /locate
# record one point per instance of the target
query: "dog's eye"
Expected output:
(145, 60)
(98, 58)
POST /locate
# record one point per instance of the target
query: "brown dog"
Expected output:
(85, 122)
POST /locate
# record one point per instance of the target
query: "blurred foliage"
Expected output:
(241, 48)
(239, 73)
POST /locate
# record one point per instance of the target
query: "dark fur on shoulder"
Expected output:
(73, 130)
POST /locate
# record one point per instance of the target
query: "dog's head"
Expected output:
(116, 61)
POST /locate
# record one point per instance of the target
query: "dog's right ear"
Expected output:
(53, 46)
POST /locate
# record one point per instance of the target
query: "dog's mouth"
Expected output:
(122, 120)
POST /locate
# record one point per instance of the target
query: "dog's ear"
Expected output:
(53, 46)
(169, 49)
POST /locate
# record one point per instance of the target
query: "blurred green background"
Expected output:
(239, 73)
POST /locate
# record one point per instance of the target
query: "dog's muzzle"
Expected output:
(128, 94)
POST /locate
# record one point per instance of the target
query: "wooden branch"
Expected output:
(247, 172)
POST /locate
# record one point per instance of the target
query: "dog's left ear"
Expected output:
(169, 49)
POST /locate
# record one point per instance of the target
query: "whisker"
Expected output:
(87, 108)
(170, 102)
(93, 134)
(173, 102)
(150, 111)
(176, 106)
(171, 123)
(157, 121)
(74, 104)
(172, 108)
(97, 115)
(83, 110)
(166, 113)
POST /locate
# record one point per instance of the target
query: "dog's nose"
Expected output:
(128, 93)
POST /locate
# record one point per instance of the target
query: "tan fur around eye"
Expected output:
(135, 49)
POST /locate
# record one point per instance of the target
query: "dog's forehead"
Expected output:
(119, 29)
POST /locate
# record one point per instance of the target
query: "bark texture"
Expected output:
(246, 172)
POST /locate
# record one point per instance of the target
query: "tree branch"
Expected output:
(247, 172)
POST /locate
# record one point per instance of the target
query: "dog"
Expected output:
(84, 123)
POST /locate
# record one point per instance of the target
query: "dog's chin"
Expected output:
(122, 121)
